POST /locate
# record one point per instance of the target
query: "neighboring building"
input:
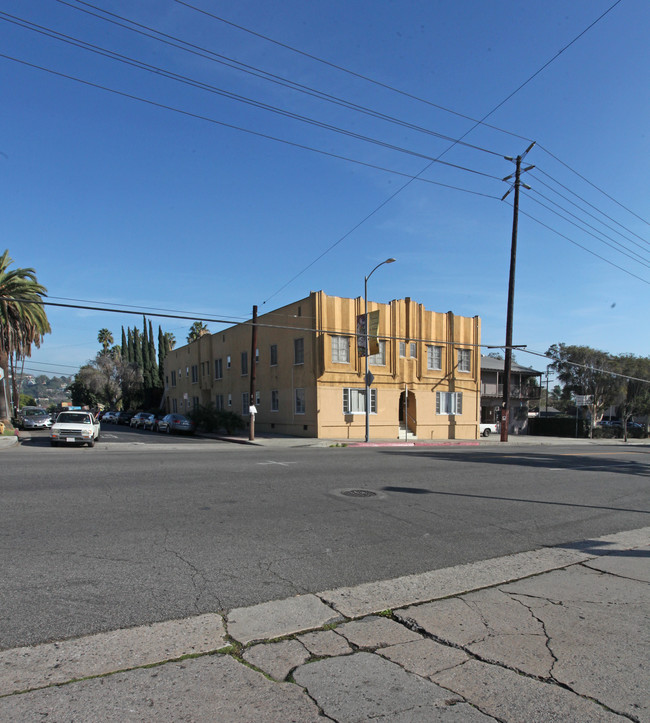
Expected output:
(310, 378)
(525, 387)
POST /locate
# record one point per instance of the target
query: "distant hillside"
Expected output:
(47, 390)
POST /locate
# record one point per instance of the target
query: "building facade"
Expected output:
(310, 378)
(525, 391)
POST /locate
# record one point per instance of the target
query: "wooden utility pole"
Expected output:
(505, 411)
(251, 435)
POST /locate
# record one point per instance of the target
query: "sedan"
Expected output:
(34, 418)
(176, 423)
(152, 421)
(138, 420)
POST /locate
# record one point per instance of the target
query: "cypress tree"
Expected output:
(125, 349)
(146, 367)
(153, 366)
(162, 353)
(130, 357)
(137, 348)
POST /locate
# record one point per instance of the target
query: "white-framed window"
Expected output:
(379, 359)
(434, 357)
(340, 349)
(300, 401)
(449, 403)
(218, 402)
(354, 401)
(464, 360)
(244, 363)
(299, 351)
(257, 399)
(275, 400)
(218, 368)
(274, 355)
(414, 350)
(245, 404)
(402, 348)
(228, 362)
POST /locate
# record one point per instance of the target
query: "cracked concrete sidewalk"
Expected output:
(553, 634)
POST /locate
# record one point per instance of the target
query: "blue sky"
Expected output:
(118, 201)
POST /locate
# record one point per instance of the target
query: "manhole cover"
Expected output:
(359, 493)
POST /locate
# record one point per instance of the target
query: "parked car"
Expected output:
(137, 420)
(75, 428)
(33, 418)
(176, 423)
(490, 428)
(109, 417)
(124, 417)
(152, 421)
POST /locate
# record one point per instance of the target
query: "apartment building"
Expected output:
(310, 378)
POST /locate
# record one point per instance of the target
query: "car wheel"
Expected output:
(91, 443)
(486, 432)
(169, 429)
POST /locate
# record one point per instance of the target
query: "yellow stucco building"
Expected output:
(310, 379)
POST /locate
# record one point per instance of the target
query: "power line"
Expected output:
(587, 367)
(266, 136)
(584, 248)
(586, 180)
(112, 55)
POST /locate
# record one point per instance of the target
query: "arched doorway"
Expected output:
(407, 413)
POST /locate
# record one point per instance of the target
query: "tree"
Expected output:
(197, 330)
(105, 338)
(635, 388)
(170, 340)
(23, 322)
(584, 370)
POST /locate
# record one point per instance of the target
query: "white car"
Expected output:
(488, 429)
(75, 428)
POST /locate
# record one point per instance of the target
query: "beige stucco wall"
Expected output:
(316, 319)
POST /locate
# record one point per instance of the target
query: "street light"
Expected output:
(365, 297)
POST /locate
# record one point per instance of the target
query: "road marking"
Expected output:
(282, 464)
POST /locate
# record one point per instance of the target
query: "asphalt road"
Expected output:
(145, 527)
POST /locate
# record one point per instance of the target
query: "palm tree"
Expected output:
(105, 338)
(23, 322)
(197, 330)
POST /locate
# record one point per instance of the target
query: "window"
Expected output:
(434, 357)
(464, 360)
(299, 351)
(218, 368)
(274, 355)
(173, 377)
(379, 359)
(258, 399)
(218, 402)
(275, 400)
(195, 402)
(449, 402)
(354, 401)
(180, 373)
(340, 349)
(195, 373)
(300, 401)
(244, 363)
(257, 356)
(414, 350)
(228, 362)
(230, 400)
(402, 348)
(174, 405)
(245, 404)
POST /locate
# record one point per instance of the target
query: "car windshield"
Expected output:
(34, 412)
(77, 418)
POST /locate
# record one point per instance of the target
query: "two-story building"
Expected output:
(525, 391)
(310, 378)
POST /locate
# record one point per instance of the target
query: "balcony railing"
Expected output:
(517, 391)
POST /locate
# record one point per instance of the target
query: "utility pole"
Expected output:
(253, 410)
(505, 412)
